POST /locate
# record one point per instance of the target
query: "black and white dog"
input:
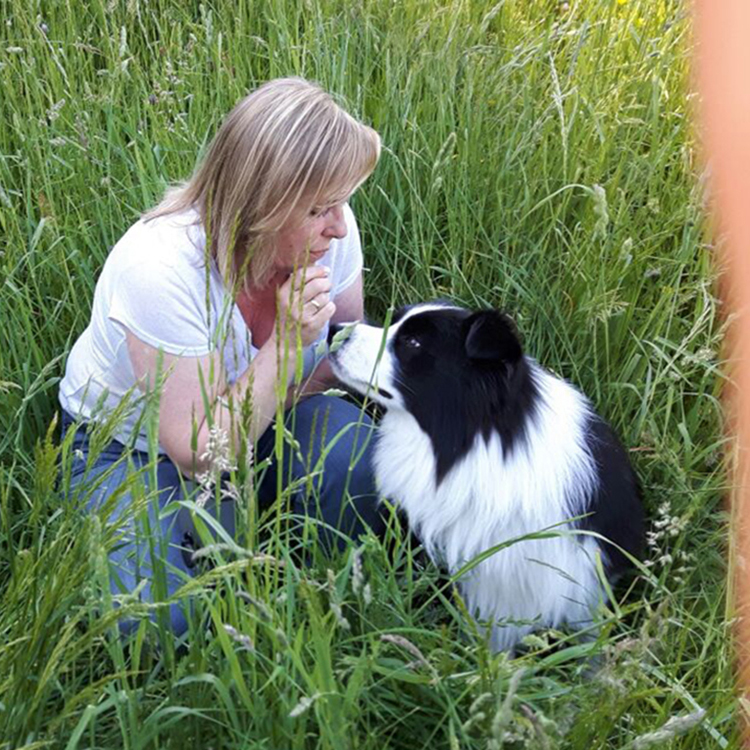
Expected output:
(480, 445)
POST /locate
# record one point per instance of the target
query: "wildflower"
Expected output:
(231, 491)
(626, 253)
(357, 575)
(474, 719)
(335, 605)
(703, 356)
(80, 126)
(608, 679)
(601, 210)
(123, 42)
(204, 482)
(476, 705)
(218, 462)
(244, 640)
(217, 450)
(257, 557)
(676, 726)
(406, 644)
(665, 527)
(260, 606)
(14, 50)
(303, 705)
(504, 713)
(54, 111)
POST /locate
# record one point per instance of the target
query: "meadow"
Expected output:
(539, 157)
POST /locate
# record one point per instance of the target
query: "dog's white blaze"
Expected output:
(357, 364)
(485, 500)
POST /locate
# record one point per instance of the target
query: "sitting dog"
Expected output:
(480, 445)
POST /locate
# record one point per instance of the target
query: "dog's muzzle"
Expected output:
(333, 329)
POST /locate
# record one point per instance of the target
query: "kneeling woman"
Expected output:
(221, 293)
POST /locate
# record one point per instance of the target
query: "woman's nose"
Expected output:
(336, 227)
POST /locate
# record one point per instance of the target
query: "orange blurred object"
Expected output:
(722, 54)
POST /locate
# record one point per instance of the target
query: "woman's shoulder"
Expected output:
(169, 241)
(154, 281)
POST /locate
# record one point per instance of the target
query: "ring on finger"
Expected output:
(315, 304)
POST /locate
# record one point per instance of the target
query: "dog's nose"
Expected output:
(333, 329)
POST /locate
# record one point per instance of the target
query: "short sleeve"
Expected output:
(164, 303)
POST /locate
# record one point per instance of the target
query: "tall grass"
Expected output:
(538, 157)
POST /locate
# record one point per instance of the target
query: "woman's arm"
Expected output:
(182, 405)
(349, 308)
(182, 398)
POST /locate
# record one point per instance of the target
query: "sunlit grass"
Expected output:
(539, 158)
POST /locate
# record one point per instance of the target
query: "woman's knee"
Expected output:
(335, 439)
(150, 542)
(347, 497)
(322, 422)
(340, 446)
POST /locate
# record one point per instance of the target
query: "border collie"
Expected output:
(479, 445)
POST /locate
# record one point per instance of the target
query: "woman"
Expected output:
(216, 298)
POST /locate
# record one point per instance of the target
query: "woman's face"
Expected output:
(298, 245)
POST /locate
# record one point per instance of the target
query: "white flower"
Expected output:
(244, 640)
(676, 726)
(303, 705)
(357, 575)
(218, 462)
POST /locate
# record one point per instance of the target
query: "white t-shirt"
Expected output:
(157, 284)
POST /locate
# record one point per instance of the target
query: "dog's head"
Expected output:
(428, 349)
(455, 371)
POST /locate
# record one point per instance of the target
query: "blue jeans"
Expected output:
(343, 496)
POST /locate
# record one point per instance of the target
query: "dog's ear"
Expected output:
(492, 337)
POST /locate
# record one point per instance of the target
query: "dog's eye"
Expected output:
(412, 342)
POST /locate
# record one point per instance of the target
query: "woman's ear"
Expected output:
(491, 337)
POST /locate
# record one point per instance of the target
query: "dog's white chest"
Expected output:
(404, 461)
(485, 500)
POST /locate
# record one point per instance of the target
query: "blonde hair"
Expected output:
(284, 150)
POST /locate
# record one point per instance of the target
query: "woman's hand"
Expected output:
(304, 304)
